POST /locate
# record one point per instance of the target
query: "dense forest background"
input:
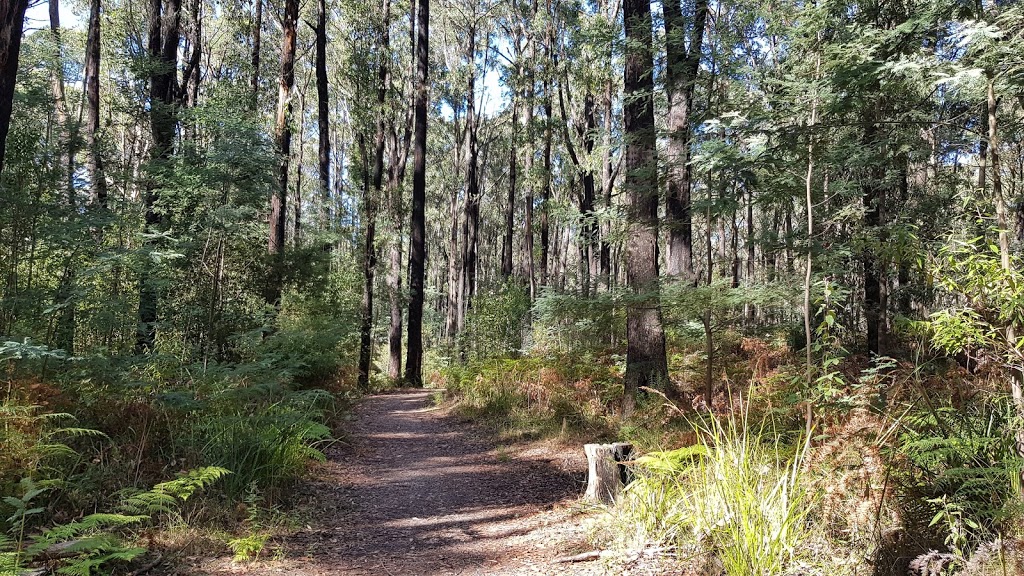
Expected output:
(794, 225)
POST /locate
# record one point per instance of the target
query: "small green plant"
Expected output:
(249, 547)
(95, 541)
(735, 494)
(960, 473)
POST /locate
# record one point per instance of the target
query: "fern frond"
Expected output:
(86, 566)
(75, 432)
(191, 482)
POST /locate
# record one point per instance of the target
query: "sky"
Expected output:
(38, 16)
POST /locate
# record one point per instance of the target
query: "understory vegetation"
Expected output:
(162, 444)
(878, 465)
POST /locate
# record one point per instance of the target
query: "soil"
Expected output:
(416, 491)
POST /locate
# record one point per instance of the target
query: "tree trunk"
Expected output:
(646, 364)
(681, 70)
(323, 103)
(510, 207)
(97, 178)
(283, 143)
(417, 248)
(471, 221)
(12, 22)
(164, 29)
(372, 193)
(257, 36)
(545, 203)
(607, 184)
(528, 262)
(394, 280)
(873, 197)
(590, 227)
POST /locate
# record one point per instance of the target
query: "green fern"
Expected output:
(960, 459)
(94, 541)
(87, 566)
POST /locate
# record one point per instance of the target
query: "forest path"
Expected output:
(415, 491)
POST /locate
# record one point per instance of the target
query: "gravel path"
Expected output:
(419, 493)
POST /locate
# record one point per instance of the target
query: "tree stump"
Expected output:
(607, 473)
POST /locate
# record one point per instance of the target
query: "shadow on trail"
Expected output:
(423, 494)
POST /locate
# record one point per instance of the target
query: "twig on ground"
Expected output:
(156, 562)
(583, 557)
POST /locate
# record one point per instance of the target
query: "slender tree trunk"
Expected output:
(12, 22)
(471, 220)
(323, 103)
(809, 203)
(607, 184)
(97, 178)
(164, 30)
(64, 332)
(394, 280)
(528, 261)
(283, 142)
(417, 249)
(545, 203)
(193, 75)
(372, 193)
(257, 37)
(589, 254)
(681, 69)
(646, 363)
(1003, 221)
(873, 198)
(510, 207)
(60, 107)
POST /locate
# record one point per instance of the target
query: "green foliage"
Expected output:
(263, 443)
(248, 547)
(738, 494)
(165, 497)
(961, 472)
(993, 302)
(495, 323)
(90, 544)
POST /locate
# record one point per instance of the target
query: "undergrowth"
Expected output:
(737, 494)
(93, 433)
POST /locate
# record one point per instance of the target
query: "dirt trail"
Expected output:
(418, 493)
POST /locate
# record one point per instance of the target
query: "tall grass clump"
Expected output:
(738, 494)
(266, 445)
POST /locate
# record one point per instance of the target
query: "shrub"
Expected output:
(732, 495)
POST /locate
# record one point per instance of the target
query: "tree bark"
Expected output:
(372, 193)
(12, 23)
(97, 178)
(873, 195)
(607, 475)
(257, 36)
(682, 65)
(471, 217)
(528, 260)
(590, 227)
(283, 143)
(164, 30)
(510, 207)
(323, 103)
(646, 363)
(417, 248)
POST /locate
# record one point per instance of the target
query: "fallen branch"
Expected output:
(583, 557)
(156, 562)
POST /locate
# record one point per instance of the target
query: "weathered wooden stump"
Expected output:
(607, 473)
